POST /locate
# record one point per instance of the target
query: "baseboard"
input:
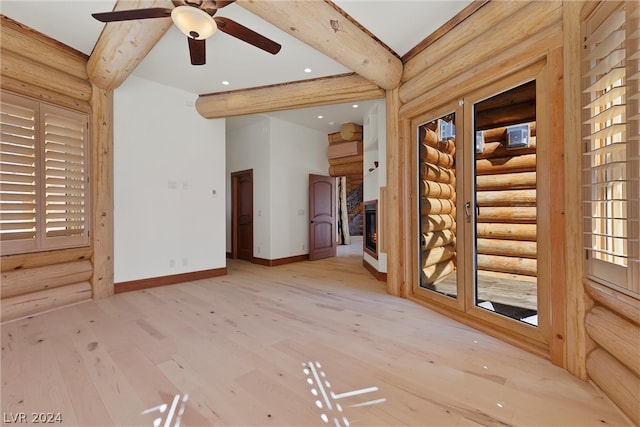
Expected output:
(136, 285)
(379, 275)
(229, 255)
(280, 261)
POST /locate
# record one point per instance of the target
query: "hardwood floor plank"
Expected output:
(238, 350)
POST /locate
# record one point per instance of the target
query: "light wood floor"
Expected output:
(249, 348)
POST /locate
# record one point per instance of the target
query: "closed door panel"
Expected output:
(322, 217)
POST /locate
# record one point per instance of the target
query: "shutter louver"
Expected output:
(65, 169)
(18, 126)
(44, 166)
(611, 194)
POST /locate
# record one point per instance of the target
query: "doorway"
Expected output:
(322, 217)
(242, 215)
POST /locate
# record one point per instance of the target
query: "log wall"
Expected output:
(35, 66)
(437, 206)
(501, 41)
(506, 205)
(614, 364)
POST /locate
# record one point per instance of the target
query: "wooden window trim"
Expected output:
(60, 179)
(612, 210)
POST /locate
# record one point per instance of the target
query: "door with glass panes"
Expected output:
(480, 188)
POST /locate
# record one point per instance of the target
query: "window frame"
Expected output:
(58, 195)
(598, 28)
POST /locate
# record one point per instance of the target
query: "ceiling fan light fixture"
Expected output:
(193, 22)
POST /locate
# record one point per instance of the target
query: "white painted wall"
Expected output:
(167, 161)
(248, 148)
(296, 152)
(375, 149)
(282, 155)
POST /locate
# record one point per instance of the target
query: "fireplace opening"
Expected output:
(371, 228)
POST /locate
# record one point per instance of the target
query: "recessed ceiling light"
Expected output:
(320, 117)
(307, 70)
(355, 105)
(226, 83)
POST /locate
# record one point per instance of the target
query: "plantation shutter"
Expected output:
(44, 169)
(611, 144)
(18, 146)
(65, 171)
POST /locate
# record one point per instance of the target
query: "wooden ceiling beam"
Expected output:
(288, 96)
(123, 45)
(321, 26)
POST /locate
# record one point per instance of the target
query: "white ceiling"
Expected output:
(400, 24)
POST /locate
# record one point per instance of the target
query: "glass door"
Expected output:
(503, 212)
(483, 191)
(437, 140)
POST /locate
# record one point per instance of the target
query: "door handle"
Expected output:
(311, 222)
(467, 212)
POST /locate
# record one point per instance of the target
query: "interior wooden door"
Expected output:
(242, 214)
(322, 217)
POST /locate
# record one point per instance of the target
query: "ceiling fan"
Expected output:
(195, 18)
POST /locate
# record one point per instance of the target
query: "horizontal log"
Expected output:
(437, 190)
(430, 139)
(344, 149)
(35, 73)
(25, 88)
(351, 132)
(492, 150)
(478, 74)
(527, 215)
(24, 281)
(436, 173)
(617, 381)
(437, 238)
(437, 206)
(506, 277)
(348, 159)
(346, 169)
(487, 46)
(437, 255)
(19, 38)
(436, 157)
(39, 302)
(506, 264)
(621, 304)
(499, 134)
(335, 137)
(526, 163)
(517, 248)
(507, 231)
(287, 96)
(431, 223)
(615, 334)
(437, 272)
(39, 259)
(506, 198)
(507, 115)
(506, 181)
(487, 18)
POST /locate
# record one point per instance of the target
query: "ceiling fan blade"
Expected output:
(128, 15)
(197, 51)
(245, 34)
